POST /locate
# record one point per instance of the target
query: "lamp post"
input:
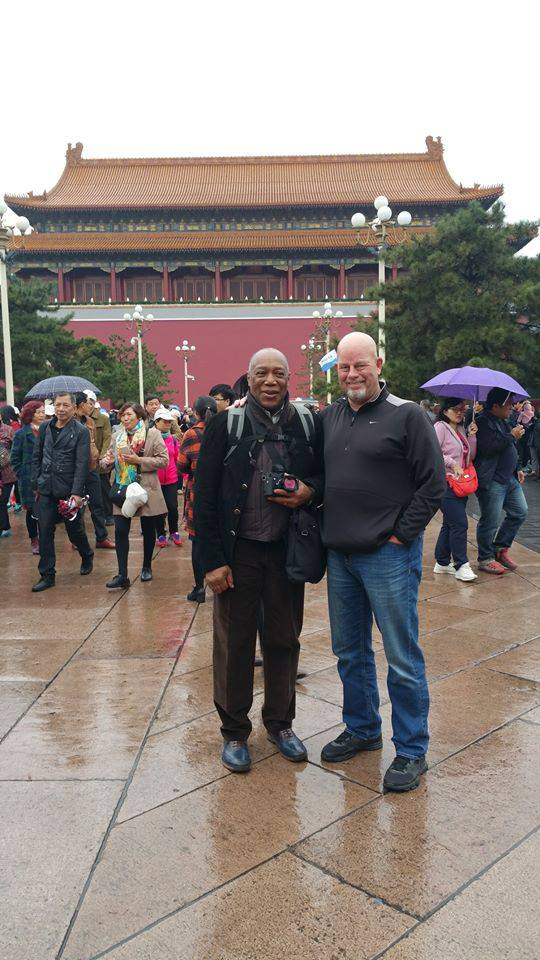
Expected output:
(186, 349)
(137, 319)
(379, 225)
(311, 346)
(10, 226)
(324, 330)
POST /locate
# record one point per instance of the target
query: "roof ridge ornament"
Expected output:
(435, 148)
(74, 154)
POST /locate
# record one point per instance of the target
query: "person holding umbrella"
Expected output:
(458, 450)
(499, 484)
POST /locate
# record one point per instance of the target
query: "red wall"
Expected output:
(223, 347)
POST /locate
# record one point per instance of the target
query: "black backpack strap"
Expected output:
(306, 419)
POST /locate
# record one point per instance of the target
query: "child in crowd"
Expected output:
(168, 478)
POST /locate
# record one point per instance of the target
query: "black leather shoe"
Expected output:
(44, 584)
(289, 745)
(87, 566)
(146, 574)
(404, 774)
(198, 596)
(347, 745)
(236, 756)
(118, 583)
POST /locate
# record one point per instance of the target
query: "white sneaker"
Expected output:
(466, 573)
(441, 568)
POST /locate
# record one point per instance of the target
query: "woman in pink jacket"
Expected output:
(459, 449)
(168, 478)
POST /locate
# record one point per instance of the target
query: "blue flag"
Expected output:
(328, 361)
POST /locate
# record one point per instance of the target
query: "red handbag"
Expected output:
(466, 484)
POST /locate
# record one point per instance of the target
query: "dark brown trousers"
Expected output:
(259, 579)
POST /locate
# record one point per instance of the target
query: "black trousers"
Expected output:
(170, 495)
(93, 489)
(122, 526)
(196, 563)
(259, 577)
(452, 540)
(5, 494)
(48, 517)
(105, 481)
(31, 525)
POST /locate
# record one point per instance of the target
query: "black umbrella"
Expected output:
(52, 386)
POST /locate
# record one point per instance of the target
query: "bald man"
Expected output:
(384, 481)
(242, 535)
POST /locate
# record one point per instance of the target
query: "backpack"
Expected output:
(306, 555)
(236, 418)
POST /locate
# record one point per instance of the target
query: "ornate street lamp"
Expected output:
(311, 347)
(10, 226)
(186, 349)
(379, 225)
(324, 331)
(137, 320)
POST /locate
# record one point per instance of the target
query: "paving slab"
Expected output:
(491, 698)
(16, 696)
(415, 850)
(88, 724)
(55, 623)
(138, 627)
(34, 660)
(495, 918)
(166, 858)
(524, 661)
(318, 918)
(51, 833)
(180, 760)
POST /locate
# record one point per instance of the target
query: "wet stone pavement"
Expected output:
(123, 836)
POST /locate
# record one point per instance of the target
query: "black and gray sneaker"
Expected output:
(404, 774)
(347, 745)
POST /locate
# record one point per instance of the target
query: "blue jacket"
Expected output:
(22, 452)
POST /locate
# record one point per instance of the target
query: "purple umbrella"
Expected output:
(472, 383)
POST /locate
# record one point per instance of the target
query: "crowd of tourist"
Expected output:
(240, 476)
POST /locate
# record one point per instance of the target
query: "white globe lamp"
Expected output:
(358, 220)
(384, 214)
(380, 202)
(404, 218)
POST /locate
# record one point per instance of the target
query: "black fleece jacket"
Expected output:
(224, 471)
(384, 473)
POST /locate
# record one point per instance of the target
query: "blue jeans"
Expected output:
(490, 533)
(383, 584)
(452, 540)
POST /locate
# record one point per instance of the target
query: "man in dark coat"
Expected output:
(59, 472)
(242, 529)
(499, 482)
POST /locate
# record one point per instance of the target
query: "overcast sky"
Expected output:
(282, 77)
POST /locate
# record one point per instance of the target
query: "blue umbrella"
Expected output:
(472, 383)
(52, 386)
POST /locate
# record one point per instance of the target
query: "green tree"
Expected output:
(43, 346)
(125, 383)
(458, 300)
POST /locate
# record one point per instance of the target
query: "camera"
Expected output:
(278, 480)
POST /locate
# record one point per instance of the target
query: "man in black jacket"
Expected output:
(242, 531)
(384, 481)
(499, 483)
(59, 472)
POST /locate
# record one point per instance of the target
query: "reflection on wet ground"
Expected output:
(124, 836)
